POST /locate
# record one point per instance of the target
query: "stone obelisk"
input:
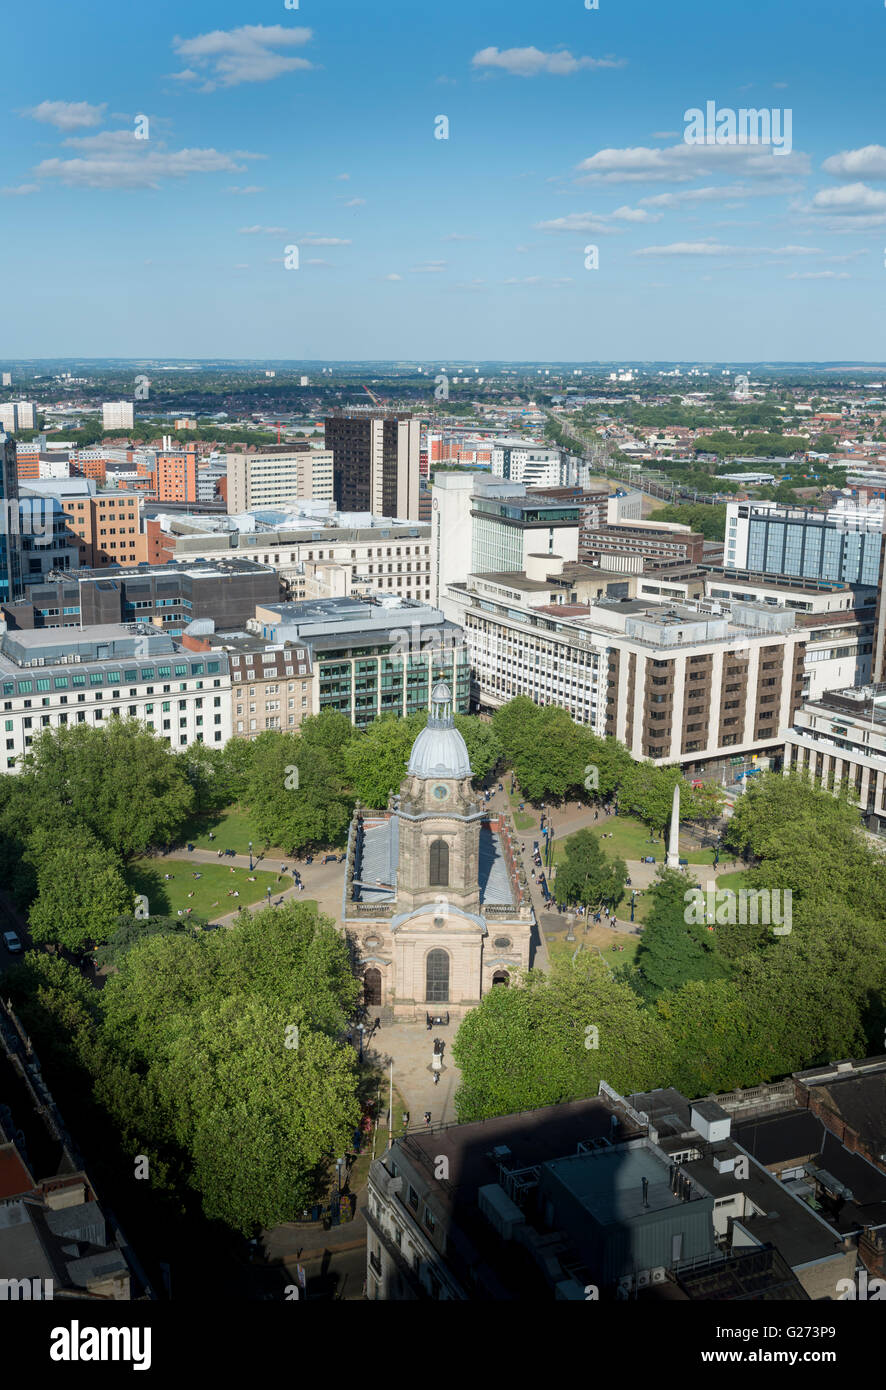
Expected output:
(673, 859)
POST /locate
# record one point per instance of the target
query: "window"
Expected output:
(439, 864)
(413, 1199)
(437, 977)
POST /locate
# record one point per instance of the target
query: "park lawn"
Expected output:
(599, 939)
(210, 891)
(735, 881)
(233, 829)
(631, 839)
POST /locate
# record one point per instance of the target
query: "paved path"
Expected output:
(411, 1048)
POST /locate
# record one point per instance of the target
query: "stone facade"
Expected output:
(434, 904)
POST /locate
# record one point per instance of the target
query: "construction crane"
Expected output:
(376, 400)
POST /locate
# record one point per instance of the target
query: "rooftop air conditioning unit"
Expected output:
(625, 1284)
(659, 1274)
(644, 1279)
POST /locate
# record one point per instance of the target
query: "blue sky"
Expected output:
(314, 127)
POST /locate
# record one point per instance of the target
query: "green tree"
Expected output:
(484, 750)
(295, 795)
(673, 951)
(376, 762)
(119, 781)
(587, 876)
(81, 891)
(554, 1040)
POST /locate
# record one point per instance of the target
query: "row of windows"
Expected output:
(26, 687)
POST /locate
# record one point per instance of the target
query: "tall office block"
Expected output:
(376, 462)
(10, 540)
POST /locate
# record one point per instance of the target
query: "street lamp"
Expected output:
(250, 856)
(269, 897)
(361, 1029)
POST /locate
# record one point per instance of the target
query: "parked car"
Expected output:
(12, 943)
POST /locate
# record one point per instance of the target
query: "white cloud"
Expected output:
(355, 203)
(459, 236)
(538, 280)
(867, 163)
(245, 191)
(324, 241)
(682, 162)
(21, 191)
(115, 159)
(429, 268)
(67, 115)
(342, 176)
(819, 275)
(853, 207)
(716, 248)
(529, 62)
(597, 221)
(227, 57)
(394, 277)
(714, 193)
(262, 231)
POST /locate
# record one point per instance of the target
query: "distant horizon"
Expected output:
(466, 363)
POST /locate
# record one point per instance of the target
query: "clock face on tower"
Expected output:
(439, 792)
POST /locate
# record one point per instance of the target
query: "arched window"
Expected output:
(437, 977)
(439, 865)
(501, 977)
(372, 986)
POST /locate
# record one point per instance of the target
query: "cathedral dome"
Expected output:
(440, 750)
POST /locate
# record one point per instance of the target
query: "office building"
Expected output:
(375, 462)
(105, 526)
(696, 683)
(278, 478)
(211, 480)
(18, 415)
(436, 906)
(765, 536)
(45, 543)
(118, 415)
(169, 596)
(371, 657)
(520, 461)
(10, 547)
(88, 676)
(175, 473)
(639, 545)
(509, 526)
(607, 1199)
(271, 684)
(309, 546)
(839, 738)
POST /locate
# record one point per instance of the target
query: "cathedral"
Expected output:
(435, 903)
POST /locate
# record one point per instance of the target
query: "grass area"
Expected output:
(735, 881)
(631, 839)
(232, 829)
(210, 891)
(599, 939)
